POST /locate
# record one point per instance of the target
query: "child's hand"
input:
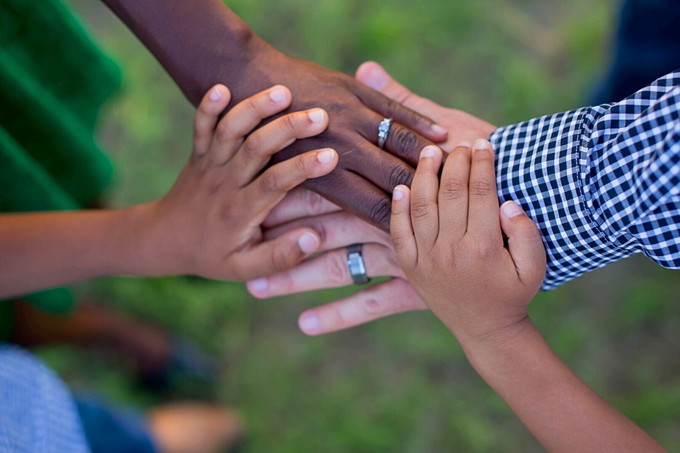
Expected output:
(209, 222)
(448, 240)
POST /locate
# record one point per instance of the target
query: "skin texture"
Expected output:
(223, 188)
(448, 238)
(201, 42)
(340, 229)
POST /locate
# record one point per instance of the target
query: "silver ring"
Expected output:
(383, 131)
(356, 265)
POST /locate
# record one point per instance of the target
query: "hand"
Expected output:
(337, 229)
(449, 242)
(462, 127)
(330, 269)
(365, 174)
(209, 222)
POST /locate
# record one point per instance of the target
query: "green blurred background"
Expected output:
(400, 384)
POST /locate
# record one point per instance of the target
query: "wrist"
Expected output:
(484, 351)
(135, 245)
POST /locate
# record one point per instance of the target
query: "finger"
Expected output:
(243, 118)
(260, 145)
(424, 192)
(368, 201)
(524, 243)
(213, 104)
(375, 302)
(336, 230)
(268, 189)
(401, 227)
(328, 270)
(482, 219)
(299, 203)
(399, 171)
(402, 143)
(391, 107)
(453, 193)
(276, 255)
(374, 75)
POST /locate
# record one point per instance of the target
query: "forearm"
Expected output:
(560, 410)
(44, 250)
(199, 42)
(600, 182)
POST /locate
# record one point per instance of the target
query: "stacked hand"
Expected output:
(366, 174)
(339, 229)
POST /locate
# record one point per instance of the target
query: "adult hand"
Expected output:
(202, 43)
(339, 230)
(302, 208)
(462, 127)
(365, 174)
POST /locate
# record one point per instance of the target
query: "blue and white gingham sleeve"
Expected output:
(602, 183)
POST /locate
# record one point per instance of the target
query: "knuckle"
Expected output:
(404, 139)
(302, 165)
(324, 233)
(420, 207)
(288, 124)
(314, 202)
(400, 174)
(453, 189)
(270, 180)
(337, 268)
(280, 258)
(223, 132)
(480, 188)
(399, 241)
(381, 211)
(374, 305)
(253, 145)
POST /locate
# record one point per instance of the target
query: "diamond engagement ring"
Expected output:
(383, 131)
(356, 265)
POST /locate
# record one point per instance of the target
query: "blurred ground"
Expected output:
(401, 384)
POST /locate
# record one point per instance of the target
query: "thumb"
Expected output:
(279, 254)
(524, 243)
(375, 76)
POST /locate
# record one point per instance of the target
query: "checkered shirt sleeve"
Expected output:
(602, 183)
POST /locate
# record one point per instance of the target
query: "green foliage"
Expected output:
(401, 384)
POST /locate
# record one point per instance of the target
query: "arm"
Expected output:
(50, 249)
(202, 42)
(596, 179)
(449, 240)
(221, 187)
(562, 412)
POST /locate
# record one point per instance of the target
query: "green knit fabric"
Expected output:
(53, 81)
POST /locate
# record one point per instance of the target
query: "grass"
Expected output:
(401, 384)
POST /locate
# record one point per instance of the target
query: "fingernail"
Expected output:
(277, 95)
(308, 243)
(326, 156)
(463, 144)
(258, 286)
(480, 143)
(437, 129)
(398, 193)
(310, 323)
(511, 209)
(428, 151)
(377, 78)
(215, 94)
(316, 115)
